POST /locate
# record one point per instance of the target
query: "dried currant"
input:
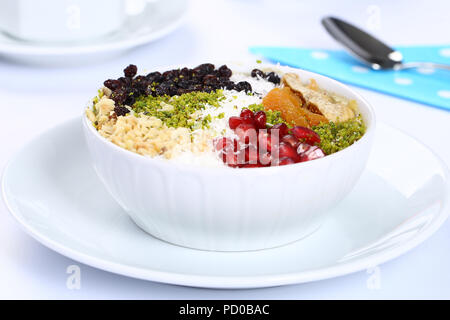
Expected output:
(154, 77)
(210, 80)
(119, 96)
(243, 86)
(205, 68)
(130, 71)
(273, 77)
(257, 73)
(121, 110)
(225, 72)
(112, 84)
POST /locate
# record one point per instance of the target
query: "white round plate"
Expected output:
(53, 192)
(157, 20)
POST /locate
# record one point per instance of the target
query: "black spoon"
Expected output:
(370, 50)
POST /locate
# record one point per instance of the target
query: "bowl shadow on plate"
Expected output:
(413, 212)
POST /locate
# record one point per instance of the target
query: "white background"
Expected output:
(34, 98)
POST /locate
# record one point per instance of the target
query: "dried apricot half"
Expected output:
(291, 107)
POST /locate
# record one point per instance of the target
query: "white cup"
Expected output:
(61, 20)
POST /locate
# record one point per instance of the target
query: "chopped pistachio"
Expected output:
(179, 111)
(337, 136)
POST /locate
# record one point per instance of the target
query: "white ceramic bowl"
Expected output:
(228, 209)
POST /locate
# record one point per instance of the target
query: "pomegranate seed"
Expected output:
(306, 135)
(290, 139)
(227, 156)
(233, 122)
(230, 158)
(247, 114)
(235, 145)
(312, 153)
(266, 141)
(251, 154)
(260, 119)
(283, 129)
(302, 147)
(221, 143)
(246, 133)
(249, 121)
(265, 158)
(285, 160)
(286, 150)
(245, 127)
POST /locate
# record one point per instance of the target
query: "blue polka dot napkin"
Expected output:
(430, 88)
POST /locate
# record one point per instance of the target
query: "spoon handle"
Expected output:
(361, 44)
(421, 65)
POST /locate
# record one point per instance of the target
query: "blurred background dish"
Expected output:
(56, 21)
(156, 20)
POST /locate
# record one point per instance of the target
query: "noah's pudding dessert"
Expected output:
(193, 133)
(217, 117)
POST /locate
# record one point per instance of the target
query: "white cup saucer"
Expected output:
(52, 190)
(155, 22)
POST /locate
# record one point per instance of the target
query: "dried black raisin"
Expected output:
(225, 72)
(204, 68)
(257, 73)
(243, 86)
(121, 110)
(273, 77)
(112, 84)
(130, 71)
(154, 77)
(119, 96)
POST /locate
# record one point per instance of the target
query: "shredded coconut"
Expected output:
(259, 85)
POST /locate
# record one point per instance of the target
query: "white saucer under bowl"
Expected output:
(53, 192)
(156, 21)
